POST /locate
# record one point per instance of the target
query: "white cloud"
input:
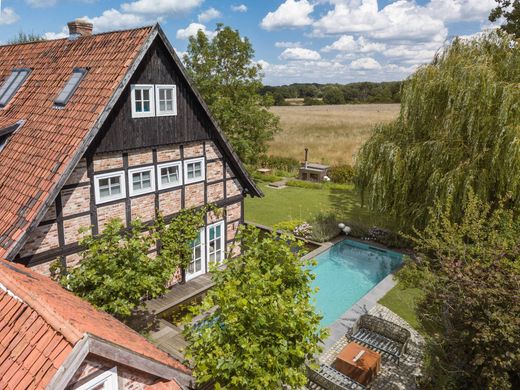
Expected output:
(113, 19)
(298, 53)
(192, 30)
(209, 14)
(41, 3)
(284, 44)
(291, 13)
(239, 8)
(64, 33)
(460, 10)
(365, 63)
(350, 45)
(344, 43)
(160, 7)
(8, 16)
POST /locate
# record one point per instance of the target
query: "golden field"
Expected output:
(333, 134)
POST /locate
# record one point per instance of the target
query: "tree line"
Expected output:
(314, 93)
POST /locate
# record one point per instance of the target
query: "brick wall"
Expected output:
(128, 378)
(76, 202)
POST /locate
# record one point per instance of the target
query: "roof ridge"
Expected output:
(43, 41)
(55, 320)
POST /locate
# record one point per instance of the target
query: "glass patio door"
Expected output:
(197, 266)
(215, 245)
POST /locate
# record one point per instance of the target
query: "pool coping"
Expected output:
(339, 328)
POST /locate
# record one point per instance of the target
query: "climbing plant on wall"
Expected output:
(458, 130)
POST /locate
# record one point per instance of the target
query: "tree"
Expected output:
(229, 80)
(457, 132)
(333, 95)
(263, 328)
(470, 274)
(25, 38)
(116, 271)
(509, 10)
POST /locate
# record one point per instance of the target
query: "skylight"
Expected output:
(70, 87)
(12, 84)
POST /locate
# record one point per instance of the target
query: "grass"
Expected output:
(333, 134)
(303, 203)
(402, 302)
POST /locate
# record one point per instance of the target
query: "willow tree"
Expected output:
(458, 132)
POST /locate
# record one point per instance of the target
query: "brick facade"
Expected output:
(80, 211)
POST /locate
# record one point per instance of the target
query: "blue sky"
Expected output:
(295, 40)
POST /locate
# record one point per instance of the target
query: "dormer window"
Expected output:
(12, 84)
(70, 87)
(143, 102)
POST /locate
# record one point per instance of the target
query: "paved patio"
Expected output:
(392, 376)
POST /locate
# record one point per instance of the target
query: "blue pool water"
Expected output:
(346, 272)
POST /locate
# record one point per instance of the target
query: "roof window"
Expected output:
(70, 87)
(12, 84)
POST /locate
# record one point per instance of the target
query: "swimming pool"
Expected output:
(346, 272)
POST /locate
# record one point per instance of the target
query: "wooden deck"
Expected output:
(168, 337)
(180, 293)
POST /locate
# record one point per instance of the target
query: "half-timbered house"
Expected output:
(102, 126)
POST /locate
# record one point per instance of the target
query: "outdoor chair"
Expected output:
(331, 379)
(381, 335)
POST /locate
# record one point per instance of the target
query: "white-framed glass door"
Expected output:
(215, 243)
(197, 266)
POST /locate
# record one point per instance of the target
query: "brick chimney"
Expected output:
(79, 28)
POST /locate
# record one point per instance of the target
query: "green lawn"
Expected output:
(402, 302)
(302, 203)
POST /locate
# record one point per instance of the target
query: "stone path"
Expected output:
(391, 376)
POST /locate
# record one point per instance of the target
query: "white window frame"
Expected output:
(151, 89)
(158, 111)
(203, 170)
(203, 270)
(97, 178)
(108, 377)
(222, 243)
(131, 172)
(160, 184)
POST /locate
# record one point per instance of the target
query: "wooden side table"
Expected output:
(363, 369)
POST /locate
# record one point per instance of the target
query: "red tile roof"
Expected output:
(37, 154)
(40, 322)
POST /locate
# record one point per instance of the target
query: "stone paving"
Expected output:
(391, 376)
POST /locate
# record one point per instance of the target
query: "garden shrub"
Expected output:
(341, 174)
(287, 164)
(304, 184)
(324, 226)
(288, 226)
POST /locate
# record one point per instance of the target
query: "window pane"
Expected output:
(115, 189)
(146, 106)
(169, 105)
(146, 94)
(162, 94)
(138, 94)
(138, 107)
(162, 106)
(103, 182)
(104, 192)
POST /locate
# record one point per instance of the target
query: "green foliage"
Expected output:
(288, 164)
(229, 80)
(288, 226)
(178, 235)
(304, 184)
(263, 328)
(324, 226)
(333, 95)
(509, 11)
(116, 272)
(365, 92)
(457, 131)
(470, 275)
(309, 101)
(23, 37)
(341, 174)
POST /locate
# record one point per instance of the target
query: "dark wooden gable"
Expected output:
(122, 132)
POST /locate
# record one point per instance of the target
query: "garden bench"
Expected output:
(381, 335)
(331, 379)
